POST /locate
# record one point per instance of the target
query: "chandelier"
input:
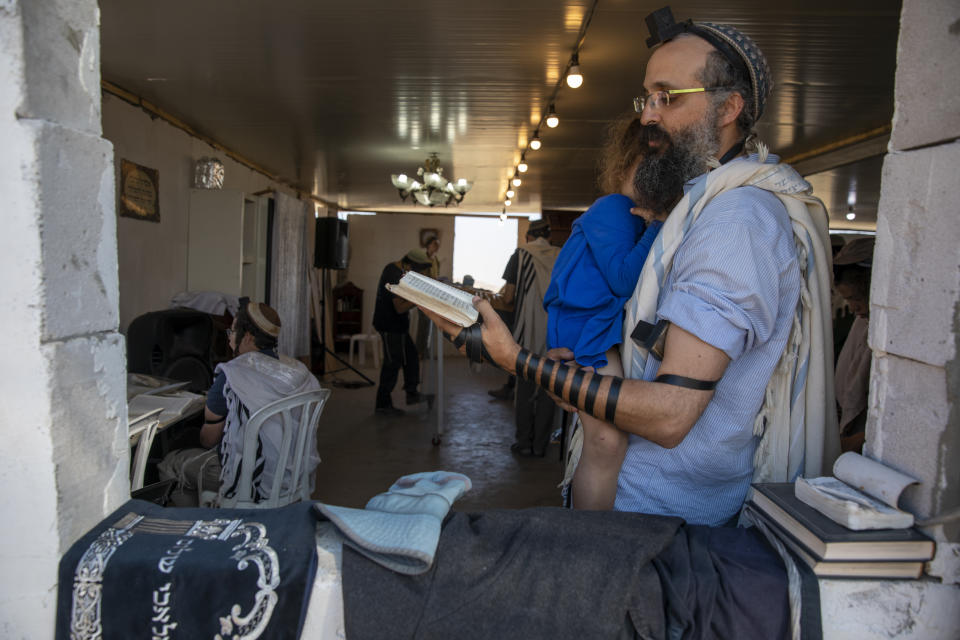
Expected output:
(434, 189)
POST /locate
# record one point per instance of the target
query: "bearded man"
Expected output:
(728, 378)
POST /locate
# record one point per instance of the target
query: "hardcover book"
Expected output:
(828, 540)
(451, 303)
(910, 569)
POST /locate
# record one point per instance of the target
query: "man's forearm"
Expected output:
(660, 413)
(212, 430)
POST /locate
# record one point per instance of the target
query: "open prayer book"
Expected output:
(172, 407)
(862, 495)
(451, 303)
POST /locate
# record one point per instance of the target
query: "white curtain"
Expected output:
(289, 286)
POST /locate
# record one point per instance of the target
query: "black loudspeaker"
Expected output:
(175, 344)
(332, 244)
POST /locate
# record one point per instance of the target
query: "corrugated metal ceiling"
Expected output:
(335, 97)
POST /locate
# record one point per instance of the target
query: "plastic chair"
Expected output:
(147, 434)
(361, 339)
(300, 415)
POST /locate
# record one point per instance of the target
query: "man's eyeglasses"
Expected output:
(230, 333)
(662, 98)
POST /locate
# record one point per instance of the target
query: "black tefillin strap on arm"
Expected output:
(540, 370)
(528, 364)
(652, 338)
(472, 337)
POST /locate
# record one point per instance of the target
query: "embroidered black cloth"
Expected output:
(529, 573)
(150, 572)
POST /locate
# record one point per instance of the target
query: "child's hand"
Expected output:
(566, 357)
(647, 215)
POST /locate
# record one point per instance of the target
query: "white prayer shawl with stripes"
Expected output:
(797, 423)
(254, 380)
(534, 265)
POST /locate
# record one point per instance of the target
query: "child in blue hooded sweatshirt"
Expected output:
(593, 277)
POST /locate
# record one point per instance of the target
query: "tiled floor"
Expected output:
(363, 453)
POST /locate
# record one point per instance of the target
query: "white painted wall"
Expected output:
(378, 240)
(153, 256)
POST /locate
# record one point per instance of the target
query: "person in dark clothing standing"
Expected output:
(391, 319)
(527, 275)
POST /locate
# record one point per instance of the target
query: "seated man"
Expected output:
(254, 378)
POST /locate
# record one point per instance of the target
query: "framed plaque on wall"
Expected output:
(139, 192)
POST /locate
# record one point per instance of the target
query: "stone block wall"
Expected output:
(927, 103)
(65, 460)
(914, 411)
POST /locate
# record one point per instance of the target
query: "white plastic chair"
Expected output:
(361, 339)
(146, 426)
(300, 416)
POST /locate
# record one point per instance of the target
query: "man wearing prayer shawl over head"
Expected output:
(254, 378)
(527, 277)
(851, 279)
(728, 369)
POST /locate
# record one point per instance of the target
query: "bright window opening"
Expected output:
(481, 249)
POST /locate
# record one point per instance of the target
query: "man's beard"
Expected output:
(662, 172)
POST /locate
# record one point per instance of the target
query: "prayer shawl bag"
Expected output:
(150, 572)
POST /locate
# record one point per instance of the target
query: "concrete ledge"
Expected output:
(883, 609)
(324, 617)
(850, 609)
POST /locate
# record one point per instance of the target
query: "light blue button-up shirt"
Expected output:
(734, 284)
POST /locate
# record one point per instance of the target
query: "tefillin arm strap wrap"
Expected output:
(686, 383)
(595, 394)
(472, 338)
(591, 392)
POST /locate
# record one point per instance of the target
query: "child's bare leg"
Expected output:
(604, 447)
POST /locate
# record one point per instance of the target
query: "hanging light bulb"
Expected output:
(552, 119)
(503, 216)
(535, 141)
(516, 180)
(522, 167)
(574, 77)
(507, 202)
(510, 193)
(851, 215)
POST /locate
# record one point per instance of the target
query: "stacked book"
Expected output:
(844, 532)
